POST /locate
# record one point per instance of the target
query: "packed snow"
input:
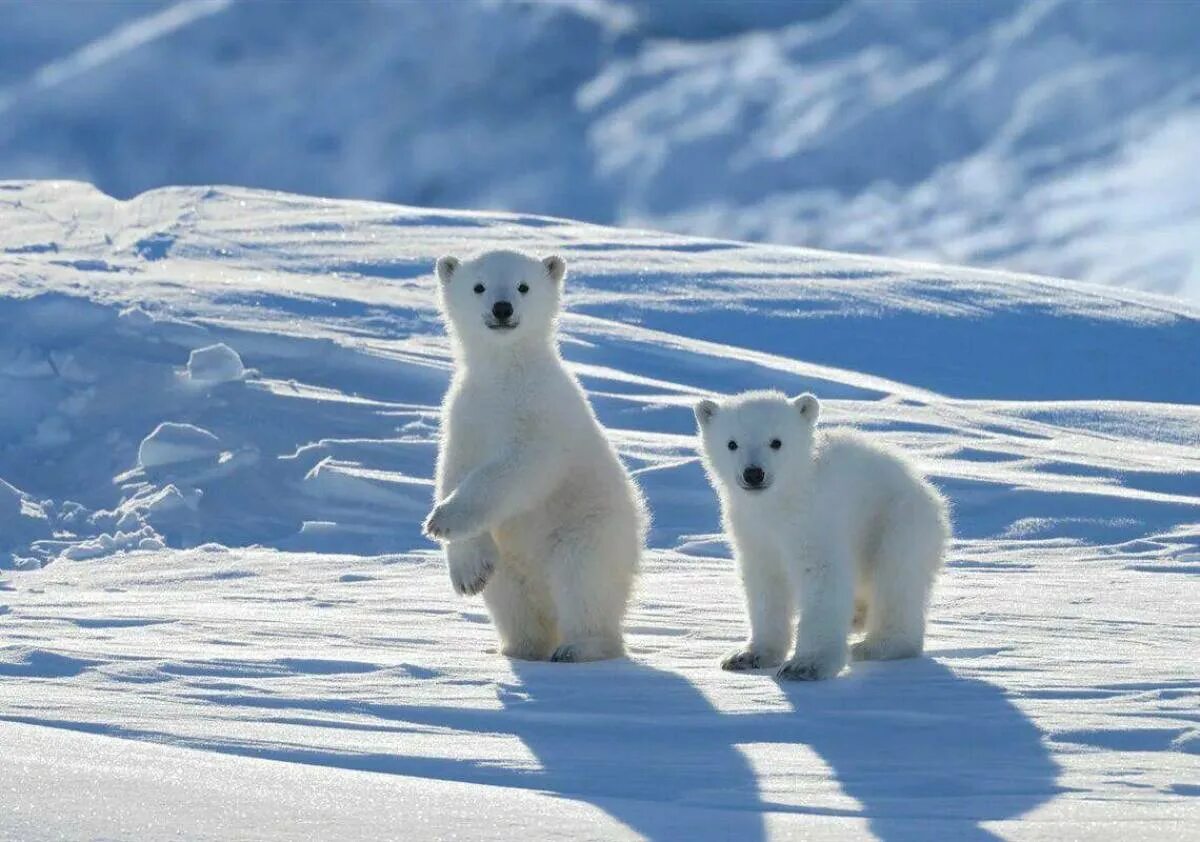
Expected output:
(1048, 136)
(218, 617)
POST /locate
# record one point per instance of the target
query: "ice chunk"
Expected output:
(171, 443)
(22, 521)
(215, 364)
(11, 500)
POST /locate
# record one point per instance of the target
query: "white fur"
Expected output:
(845, 532)
(536, 511)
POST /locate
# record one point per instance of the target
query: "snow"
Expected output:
(1049, 136)
(214, 364)
(171, 443)
(218, 613)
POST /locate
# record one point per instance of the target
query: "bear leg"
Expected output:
(521, 610)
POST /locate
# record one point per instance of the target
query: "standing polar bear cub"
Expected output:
(534, 507)
(827, 524)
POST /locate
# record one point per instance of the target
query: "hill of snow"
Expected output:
(216, 436)
(1049, 136)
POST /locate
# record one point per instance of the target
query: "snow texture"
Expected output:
(245, 631)
(1050, 136)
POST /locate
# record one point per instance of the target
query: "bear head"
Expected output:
(500, 299)
(757, 441)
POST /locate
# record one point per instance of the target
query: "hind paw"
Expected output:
(884, 649)
(810, 668)
(588, 650)
(747, 658)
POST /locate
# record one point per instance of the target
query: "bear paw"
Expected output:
(470, 577)
(884, 649)
(449, 522)
(810, 668)
(748, 659)
(589, 649)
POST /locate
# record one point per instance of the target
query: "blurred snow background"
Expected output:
(1052, 137)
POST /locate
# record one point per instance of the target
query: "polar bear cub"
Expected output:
(828, 524)
(533, 506)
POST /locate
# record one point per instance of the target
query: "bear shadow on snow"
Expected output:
(926, 752)
(630, 739)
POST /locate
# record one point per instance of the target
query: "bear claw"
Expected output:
(474, 582)
(806, 669)
(565, 654)
(745, 659)
(450, 521)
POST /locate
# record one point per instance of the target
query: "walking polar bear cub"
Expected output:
(534, 507)
(829, 524)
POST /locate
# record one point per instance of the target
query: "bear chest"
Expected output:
(487, 418)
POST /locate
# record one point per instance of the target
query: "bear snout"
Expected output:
(502, 310)
(753, 476)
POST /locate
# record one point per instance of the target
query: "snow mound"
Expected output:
(215, 364)
(171, 443)
(106, 544)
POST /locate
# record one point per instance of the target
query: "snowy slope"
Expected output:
(1054, 136)
(239, 390)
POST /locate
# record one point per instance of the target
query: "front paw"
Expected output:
(811, 668)
(747, 658)
(470, 575)
(450, 521)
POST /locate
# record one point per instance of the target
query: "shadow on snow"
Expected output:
(922, 749)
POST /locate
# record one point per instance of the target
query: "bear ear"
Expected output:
(808, 406)
(556, 267)
(446, 267)
(705, 410)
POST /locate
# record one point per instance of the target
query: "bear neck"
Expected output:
(519, 352)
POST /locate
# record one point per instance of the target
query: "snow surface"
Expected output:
(217, 615)
(1052, 136)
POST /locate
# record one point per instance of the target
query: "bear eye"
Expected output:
(523, 288)
(776, 444)
(732, 444)
(479, 288)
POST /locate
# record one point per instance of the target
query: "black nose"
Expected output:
(754, 475)
(502, 310)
